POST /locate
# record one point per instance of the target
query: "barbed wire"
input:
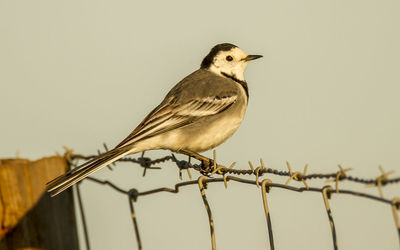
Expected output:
(208, 168)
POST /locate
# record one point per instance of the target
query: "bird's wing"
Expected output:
(169, 115)
(172, 114)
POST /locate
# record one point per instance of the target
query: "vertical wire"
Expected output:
(82, 212)
(395, 207)
(135, 225)
(326, 197)
(267, 215)
(210, 218)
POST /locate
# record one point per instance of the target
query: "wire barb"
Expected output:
(340, 176)
(251, 166)
(383, 179)
(68, 155)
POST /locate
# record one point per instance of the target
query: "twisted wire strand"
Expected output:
(209, 167)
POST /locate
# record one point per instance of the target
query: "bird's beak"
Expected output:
(251, 57)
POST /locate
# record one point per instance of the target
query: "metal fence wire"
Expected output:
(211, 172)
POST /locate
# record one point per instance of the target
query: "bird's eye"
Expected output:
(229, 58)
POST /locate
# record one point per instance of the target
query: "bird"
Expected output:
(199, 113)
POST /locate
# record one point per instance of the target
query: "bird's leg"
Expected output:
(195, 155)
(206, 163)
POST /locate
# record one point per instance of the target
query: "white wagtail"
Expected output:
(199, 113)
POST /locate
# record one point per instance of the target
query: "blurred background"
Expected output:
(80, 73)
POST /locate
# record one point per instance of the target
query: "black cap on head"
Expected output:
(207, 61)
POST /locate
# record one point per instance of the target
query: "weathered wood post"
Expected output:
(29, 218)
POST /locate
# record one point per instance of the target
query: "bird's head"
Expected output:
(226, 59)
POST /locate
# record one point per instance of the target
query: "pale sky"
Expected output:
(80, 73)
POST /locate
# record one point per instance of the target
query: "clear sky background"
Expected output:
(80, 73)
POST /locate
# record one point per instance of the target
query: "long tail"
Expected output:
(75, 175)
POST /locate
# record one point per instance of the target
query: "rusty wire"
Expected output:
(209, 167)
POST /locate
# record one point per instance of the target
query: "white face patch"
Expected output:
(230, 62)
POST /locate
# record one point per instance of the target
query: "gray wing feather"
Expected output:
(199, 95)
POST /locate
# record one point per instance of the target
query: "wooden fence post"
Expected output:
(29, 218)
